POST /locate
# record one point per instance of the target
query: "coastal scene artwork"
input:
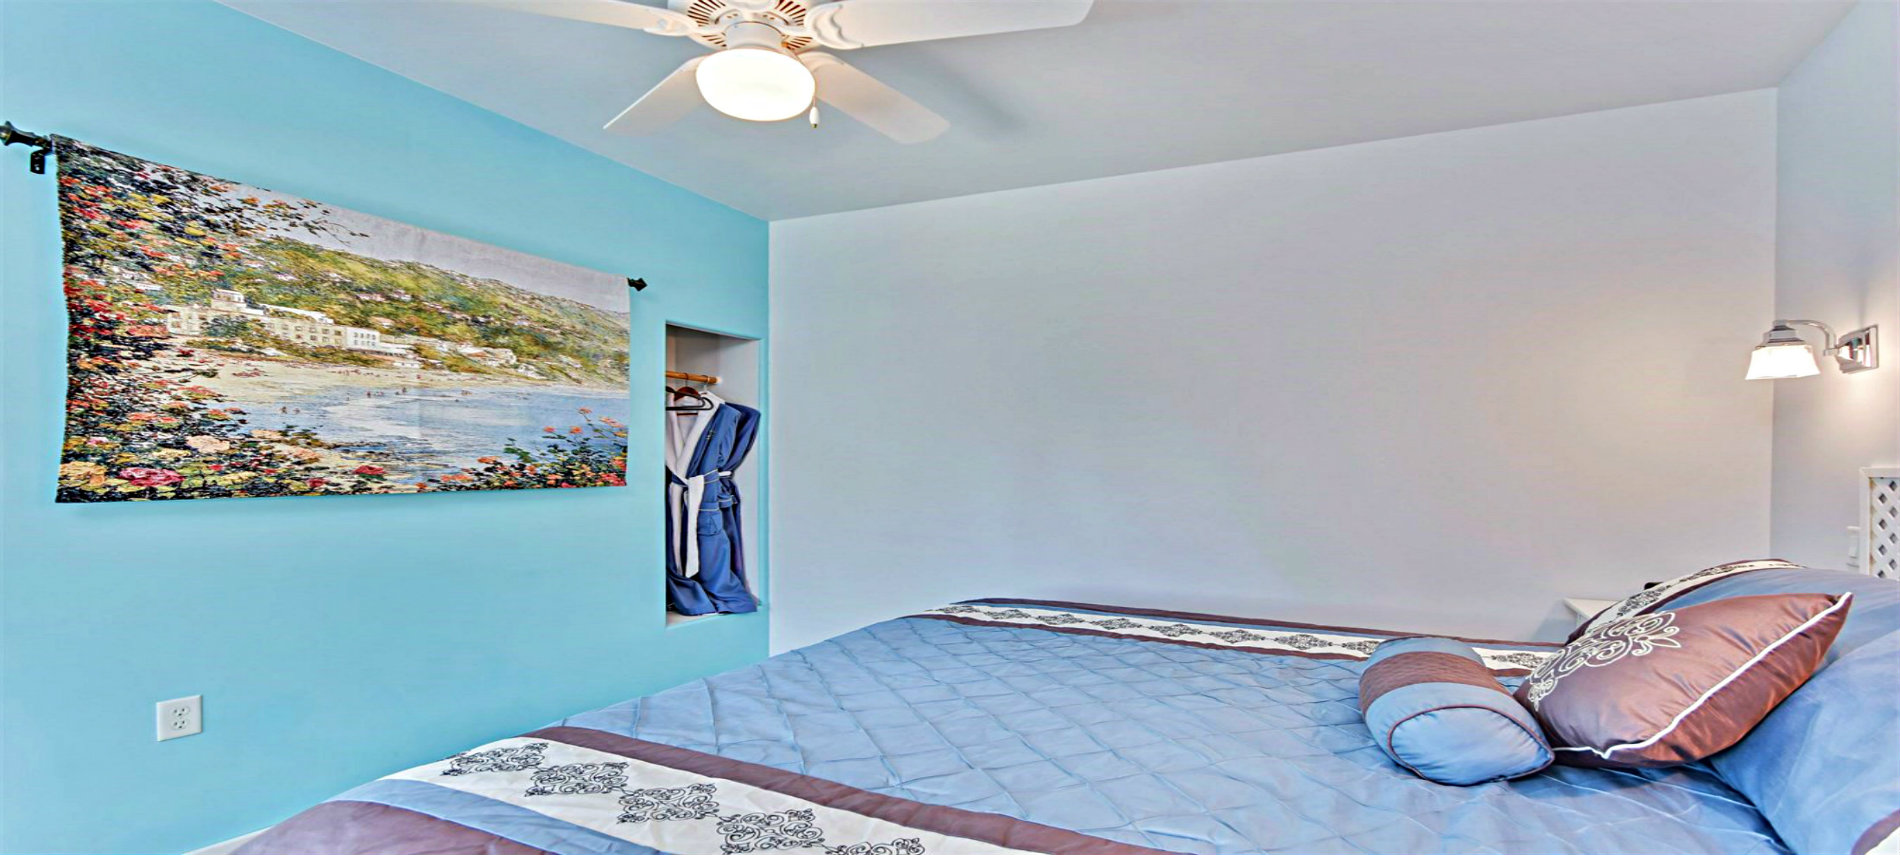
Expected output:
(227, 341)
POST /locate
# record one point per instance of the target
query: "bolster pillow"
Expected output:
(1435, 709)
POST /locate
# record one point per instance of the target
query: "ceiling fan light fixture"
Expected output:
(757, 84)
(771, 53)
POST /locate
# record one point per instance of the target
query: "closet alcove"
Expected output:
(735, 362)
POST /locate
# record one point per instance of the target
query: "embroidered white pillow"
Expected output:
(1660, 593)
(1678, 685)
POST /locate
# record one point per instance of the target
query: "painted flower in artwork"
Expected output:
(208, 444)
(83, 472)
(148, 477)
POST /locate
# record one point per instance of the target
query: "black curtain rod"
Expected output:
(42, 146)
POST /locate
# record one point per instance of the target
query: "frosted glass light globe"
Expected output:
(756, 84)
(1782, 361)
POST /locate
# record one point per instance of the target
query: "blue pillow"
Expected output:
(1435, 709)
(1822, 766)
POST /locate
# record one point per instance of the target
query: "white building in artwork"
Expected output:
(302, 326)
(496, 356)
(316, 329)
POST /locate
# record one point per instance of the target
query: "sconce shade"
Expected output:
(1781, 355)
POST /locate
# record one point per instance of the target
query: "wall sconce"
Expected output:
(1782, 354)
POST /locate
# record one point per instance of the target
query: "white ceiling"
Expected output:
(1140, 85)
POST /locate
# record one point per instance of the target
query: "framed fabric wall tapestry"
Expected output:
(227, 341)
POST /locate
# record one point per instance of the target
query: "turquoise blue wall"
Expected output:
(334, 639)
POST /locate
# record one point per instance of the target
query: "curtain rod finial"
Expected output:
(36, 162)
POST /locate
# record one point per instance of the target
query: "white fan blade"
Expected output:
(863, 23)
(667, 102)
(862, 97)
(615, 13)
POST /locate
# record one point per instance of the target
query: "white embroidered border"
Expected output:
(1647, 597)
(1252, 638)
(600, 811)
(1719, 686)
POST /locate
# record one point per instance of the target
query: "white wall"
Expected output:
(1432, 383)
(1838, 238)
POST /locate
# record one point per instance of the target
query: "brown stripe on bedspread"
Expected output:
(1877, 834)
(955, 822)
(366, 828)
(1246, 621)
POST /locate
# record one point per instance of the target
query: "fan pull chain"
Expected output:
(814, 117)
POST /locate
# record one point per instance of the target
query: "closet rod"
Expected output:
(707, 379)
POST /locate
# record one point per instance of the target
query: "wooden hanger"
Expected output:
(701, 402)
(684, 390)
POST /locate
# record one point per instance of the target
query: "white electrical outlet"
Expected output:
(180, 717)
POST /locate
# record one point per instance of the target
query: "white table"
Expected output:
(1584, 608)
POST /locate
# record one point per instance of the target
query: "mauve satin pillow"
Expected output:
(1677, 685)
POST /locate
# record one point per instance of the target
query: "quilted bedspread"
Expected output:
(1013, 726)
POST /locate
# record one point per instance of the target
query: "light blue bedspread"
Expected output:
(1165, 745)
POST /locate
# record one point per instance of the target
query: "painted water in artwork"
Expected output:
(227, 341)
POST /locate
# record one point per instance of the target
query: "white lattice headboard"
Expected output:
(1880, 522)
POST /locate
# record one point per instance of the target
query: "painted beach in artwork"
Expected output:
(226, 341)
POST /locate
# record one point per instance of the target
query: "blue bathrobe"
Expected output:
(705, 550)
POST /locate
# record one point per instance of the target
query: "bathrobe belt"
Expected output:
(685, 494)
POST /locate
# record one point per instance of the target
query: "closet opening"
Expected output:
(714, 431)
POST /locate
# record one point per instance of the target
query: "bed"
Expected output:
(1005, 725)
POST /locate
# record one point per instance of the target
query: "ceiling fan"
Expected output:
(766, 66)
